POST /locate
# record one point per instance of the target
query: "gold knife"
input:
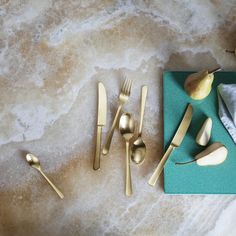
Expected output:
(177, 140)
(101, 121)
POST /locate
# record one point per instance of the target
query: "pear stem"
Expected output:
(230, 51)
(215, 70)
(185, 163)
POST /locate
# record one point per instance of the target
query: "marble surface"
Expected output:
(52, 54)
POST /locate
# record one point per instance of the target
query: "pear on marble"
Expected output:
(204, 133)
(198, 85)
(214, 154)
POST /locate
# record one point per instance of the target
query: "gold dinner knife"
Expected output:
(177, 140)
(101, 121)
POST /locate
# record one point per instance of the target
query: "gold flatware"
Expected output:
(177, 140)
(35, 163)
(138, 150)
(123, 98)
(101, 121)
(126, 127)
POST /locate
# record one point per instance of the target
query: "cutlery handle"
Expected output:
(128, 183)
(143, 102)
(107, 145)
(152, 181)
(96, 162)
(52, 185)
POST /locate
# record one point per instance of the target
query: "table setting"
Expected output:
(117, 118)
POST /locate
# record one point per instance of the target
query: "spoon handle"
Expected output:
(143, 102)
(52, 185)
(128, 183)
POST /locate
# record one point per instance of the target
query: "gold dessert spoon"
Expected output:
(35, 163)
(126, 128)
(139, 147)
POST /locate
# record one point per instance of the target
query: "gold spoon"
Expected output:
(126, 127)
(35, 163)
(139, 147)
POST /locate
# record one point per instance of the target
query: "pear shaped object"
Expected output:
(204, 133)
(199, 85)
(215, 154)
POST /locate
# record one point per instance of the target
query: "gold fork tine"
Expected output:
(129, 87)
(124, 86)
(123, 97)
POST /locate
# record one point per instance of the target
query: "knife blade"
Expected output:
(102, 105)
(101, 121)
(183, 127)
(176, 141)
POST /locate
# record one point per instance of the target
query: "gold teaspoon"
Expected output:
(35, 163)
(139, 147)
(126, 127)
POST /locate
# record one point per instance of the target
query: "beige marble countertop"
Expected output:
(52, 54)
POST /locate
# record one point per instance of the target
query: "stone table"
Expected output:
(52, 54)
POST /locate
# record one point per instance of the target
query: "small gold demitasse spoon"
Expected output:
(35, 163)
(126, 128)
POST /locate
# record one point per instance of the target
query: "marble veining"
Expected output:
(52, 54)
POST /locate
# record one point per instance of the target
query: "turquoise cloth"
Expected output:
(193, 179)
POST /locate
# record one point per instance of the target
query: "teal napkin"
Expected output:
(227, 107)
(194, 179)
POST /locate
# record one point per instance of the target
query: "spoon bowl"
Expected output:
(33, 161)
(126, 126)
(138, 151)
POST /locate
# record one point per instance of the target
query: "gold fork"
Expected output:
(123, 98)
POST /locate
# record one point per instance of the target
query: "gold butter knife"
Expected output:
(101, 121)
(177, 140)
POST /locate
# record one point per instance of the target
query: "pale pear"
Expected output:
(198, 85)
(214, 154)
(204, 133)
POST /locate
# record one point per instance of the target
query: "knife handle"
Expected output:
(152, 181)
(96, 162)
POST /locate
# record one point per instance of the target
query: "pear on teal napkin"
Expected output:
(194, 179)
(227, 107)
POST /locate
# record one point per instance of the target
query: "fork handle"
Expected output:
(142, 107)
(107, 145)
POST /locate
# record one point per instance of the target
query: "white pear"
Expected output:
(204, 133)
(214, 154)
